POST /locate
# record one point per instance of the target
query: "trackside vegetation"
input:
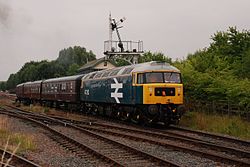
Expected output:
(228, 125)
(26, 141)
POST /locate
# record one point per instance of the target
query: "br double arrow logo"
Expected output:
(115, 94)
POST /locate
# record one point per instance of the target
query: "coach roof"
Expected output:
(69, 78)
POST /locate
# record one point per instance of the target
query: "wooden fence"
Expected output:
(222, 107)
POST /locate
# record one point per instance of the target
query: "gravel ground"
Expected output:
(181, 144)
(48, 152)
(213, 140)
(115, 152)
(184, 159)
(57, 156)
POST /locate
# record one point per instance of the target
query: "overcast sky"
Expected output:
(39, 29)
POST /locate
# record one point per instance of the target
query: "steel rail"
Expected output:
(244, 154)
(136, 151)
(212, 135)
(57, 133)
(17, 159)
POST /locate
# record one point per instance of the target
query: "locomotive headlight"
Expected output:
(150, 89)
(179, 91)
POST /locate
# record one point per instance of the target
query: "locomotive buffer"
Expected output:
(127, 50)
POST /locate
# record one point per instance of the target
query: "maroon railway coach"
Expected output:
(63, 90)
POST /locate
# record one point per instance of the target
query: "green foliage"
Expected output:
(221, 71)
(148, 56)
(46, 110)
(76, 55)
(73, 68)
(121, 62)
(67, 63)
(3, 86)
(233, 125)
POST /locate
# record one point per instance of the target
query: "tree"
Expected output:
(220, 71)
(73, 69)
(121, 62)
(148, 56)
(2, 86)
(12, 81)
(67, 63)
(77, 55)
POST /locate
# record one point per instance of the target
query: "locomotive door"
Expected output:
(133, 93)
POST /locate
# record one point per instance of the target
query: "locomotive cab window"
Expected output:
(154, 77)
(140, 78)
(172, 77)
(159, 77)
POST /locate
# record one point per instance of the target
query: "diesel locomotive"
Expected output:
(148, 93)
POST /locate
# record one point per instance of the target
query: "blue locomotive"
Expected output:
(148, 92)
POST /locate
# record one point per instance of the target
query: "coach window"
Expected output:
(55, 87)
(63, 87)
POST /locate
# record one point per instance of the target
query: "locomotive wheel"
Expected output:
(150, 115)
(136, 117)
(124, 115)
(88, 110)
(94, 111)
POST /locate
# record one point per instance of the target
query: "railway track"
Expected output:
(193, 145)
(15, 160)
(211, 135)
(165, 139)
(110, 151)
(172, 131)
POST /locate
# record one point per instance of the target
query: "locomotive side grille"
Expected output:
(164, 91)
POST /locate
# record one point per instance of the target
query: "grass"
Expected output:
(26, 140)
(51, 111)
(233, 125)
(37, 108)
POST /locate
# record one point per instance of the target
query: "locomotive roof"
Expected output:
(154, 66)
(126, 70)
(69, 78)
